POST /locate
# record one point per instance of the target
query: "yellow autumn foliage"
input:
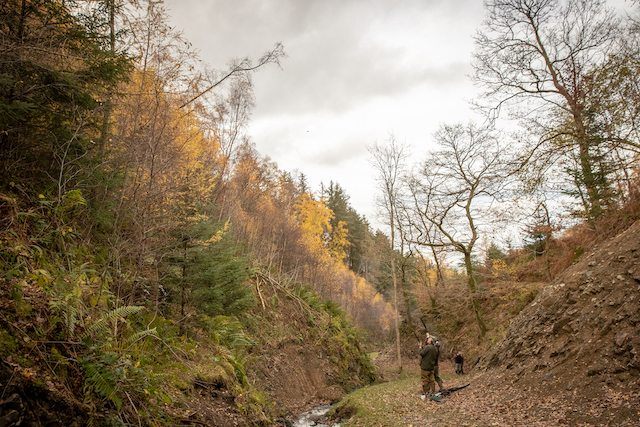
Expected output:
(313, 217)
(339, 242)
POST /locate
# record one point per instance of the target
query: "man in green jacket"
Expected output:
(436, 370)
(428, 352)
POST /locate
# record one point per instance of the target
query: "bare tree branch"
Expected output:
(245, 65)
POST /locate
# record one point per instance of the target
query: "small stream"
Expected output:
(310, 417)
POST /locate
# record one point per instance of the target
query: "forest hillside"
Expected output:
(154, 267)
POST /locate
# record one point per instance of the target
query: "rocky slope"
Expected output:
(579, 340)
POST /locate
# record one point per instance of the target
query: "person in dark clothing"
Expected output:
(436, 372)
(459, 361)
(429, 354)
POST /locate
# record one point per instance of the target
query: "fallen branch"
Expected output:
(260, 293)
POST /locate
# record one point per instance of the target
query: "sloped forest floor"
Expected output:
(483, 403)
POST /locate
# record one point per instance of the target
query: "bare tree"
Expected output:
(244, 67)
(388, 160)
(535, 54)
(408, 256)
(455, 190)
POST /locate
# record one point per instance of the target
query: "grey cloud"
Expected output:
(336, 88)
(337, 155)
(333, 60)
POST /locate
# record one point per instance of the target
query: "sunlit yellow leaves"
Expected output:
(500, 269)
(218, 235)
(313, 217)
(215, 238)
(169, 160)
(339, 242)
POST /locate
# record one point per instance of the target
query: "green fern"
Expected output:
(102, 382)
(132, 339)
(68, 311)
(71, 318)
(102, 326)
(227, 331)
(238, 368)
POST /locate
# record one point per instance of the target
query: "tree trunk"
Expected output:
(594, 208)
(108, 104)
(184, 279)
(395, 291)
(474, 298)
(405, 295)
(438, 270)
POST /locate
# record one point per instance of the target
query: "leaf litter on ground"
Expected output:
(398, 403)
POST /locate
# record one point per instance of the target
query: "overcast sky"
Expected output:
(355, 72)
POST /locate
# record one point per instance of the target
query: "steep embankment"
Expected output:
(307, 353)
(578, 342)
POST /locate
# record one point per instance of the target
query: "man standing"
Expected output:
(458, 363)
(428, 352)
(436, 370)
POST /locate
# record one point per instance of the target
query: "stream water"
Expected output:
(310, 418)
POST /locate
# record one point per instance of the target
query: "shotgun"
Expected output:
(423, 324)
(418, 338)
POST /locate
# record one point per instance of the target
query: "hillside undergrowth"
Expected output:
(66, 336)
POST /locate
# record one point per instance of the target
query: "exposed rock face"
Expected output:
(26, 405)
(581, 335)
(297, 378)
